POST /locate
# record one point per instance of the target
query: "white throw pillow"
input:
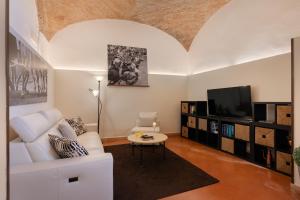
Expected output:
(67, 131)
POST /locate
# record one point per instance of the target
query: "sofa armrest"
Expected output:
(89, 177)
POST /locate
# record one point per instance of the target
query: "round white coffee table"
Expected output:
(159, 139)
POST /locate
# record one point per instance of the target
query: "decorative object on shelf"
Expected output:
(96, 93)
(127, 66)
(268, 157)
(193, 109)
(28, 74)
(214, 127)
(290, 141)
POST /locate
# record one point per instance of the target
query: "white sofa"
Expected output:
(37, 173)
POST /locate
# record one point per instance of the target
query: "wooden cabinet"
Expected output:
(185, 131)
(284, 115)
(283, 162)
(264, 136)
(227, 145)
(202, 124)
(184, 107)
(192, 122)
(242, 132)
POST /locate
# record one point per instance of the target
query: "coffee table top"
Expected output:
(158, 138)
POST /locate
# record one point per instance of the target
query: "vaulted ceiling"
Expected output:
(180, 18)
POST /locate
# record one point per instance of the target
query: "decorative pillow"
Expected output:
(78, 125)
(67, 131)
(67, 148)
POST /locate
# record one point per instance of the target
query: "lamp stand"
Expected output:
(98, 124)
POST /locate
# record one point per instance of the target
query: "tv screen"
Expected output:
(230, 102)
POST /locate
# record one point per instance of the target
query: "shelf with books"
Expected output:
(227, 130)
(265, 140)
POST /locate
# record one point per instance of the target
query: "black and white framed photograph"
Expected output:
(127, 66)
(28, 74)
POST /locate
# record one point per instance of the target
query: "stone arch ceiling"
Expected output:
(180, 18)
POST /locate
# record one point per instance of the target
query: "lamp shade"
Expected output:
(99, 78)
(95, 92)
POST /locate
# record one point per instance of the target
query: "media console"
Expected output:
(266, 140)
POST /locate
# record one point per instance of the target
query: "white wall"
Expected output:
(296, 103)
(84, 46)
(24, 25)
(270, 79)
(2, 104)
(244, 31)
(120, 104)
(23, 19)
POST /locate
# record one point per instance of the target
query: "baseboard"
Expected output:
(295, 187)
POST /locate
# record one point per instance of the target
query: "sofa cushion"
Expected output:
(67, 148)
(66, 130)
(18, 153)
(53, 115)
(40, 149)
(91, 141)
(30, 127)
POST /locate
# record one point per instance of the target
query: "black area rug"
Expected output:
(155, 178)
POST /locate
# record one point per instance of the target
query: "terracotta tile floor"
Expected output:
(238, 179)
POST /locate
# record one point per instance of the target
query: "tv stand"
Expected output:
(249, 139)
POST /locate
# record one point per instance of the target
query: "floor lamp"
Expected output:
(96, 93)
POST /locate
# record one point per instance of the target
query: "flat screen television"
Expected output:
(230, 102)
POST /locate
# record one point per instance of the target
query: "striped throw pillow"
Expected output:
(67, 148)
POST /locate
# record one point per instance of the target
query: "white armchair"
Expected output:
(145, 123)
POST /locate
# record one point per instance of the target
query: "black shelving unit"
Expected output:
(265, 140)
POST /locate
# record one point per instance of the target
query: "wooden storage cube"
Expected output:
(242, 148)
(264, 136)
(184, 107)
(185, 131)
(203, 124)
(242, 132)
(283, 140)
(202, 136)
(184, 120)
(193, 135)
(284, 115)
(227, 145)
(261, 156)
(213, 140)
(283, 162)
(192, 122)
